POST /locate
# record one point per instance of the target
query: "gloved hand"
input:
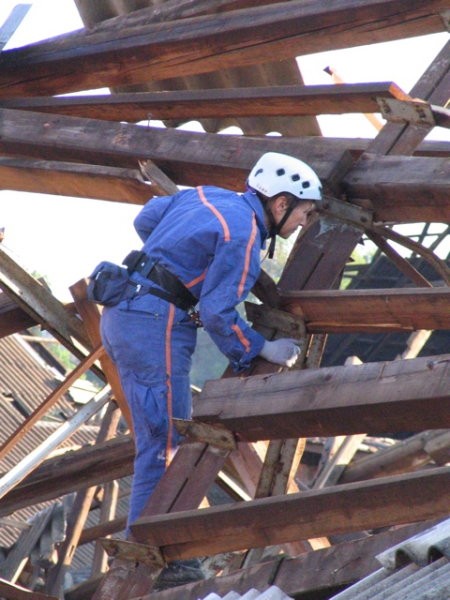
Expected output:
(284, 351)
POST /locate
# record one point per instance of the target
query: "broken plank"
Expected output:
(207, 43)
(35, 299)
(406, 455)
(12, 567)
(370, 398)
(287, 100)
(403, 309)
(339, 509)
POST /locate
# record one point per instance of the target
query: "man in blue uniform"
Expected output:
(200, 246)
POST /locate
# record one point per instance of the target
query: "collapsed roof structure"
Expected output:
(305, 509)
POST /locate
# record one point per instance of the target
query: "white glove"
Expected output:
(284, 351)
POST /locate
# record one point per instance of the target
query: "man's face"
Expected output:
(298, 217)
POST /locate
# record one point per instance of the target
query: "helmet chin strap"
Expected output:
(275, 228)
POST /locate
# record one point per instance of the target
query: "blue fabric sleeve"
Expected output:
(150, 215)
(227, 283)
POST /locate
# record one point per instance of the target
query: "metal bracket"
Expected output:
(133, 552)
(285, 323)
(345, 211)
(409, 111)
(215, 435)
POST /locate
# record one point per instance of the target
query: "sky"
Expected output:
(63, 238)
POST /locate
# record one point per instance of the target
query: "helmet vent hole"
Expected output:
(258, 172)
(305, 185)
(280, 172)
(295, 177)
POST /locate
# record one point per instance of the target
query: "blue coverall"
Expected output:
(211, 239)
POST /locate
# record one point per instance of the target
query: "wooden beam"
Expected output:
(14, 320)
(72, 471)
(211, 42)
(378, 397)
(403, 189)
(183, 486)
(403, 309)
(38, 302)
(71, 179)
(394, 183)
(406, 455)
(433, 86)
(287, 100)
(191, 157)
(339, 509)
(322, 571)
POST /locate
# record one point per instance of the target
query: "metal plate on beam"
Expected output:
(215, 435)
(132, 551)
(399, 111)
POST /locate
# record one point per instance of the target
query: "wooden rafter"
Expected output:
(374, 397)
(298, 516)
(210, 42)
(293, 100)
(407, 183)
(403, 309)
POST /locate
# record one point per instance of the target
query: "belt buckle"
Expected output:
(194, 315)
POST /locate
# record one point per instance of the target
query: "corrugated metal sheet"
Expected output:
(280, 72)
(416, 569)
(272, 593)
(25, 382)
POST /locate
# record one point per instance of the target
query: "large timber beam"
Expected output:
(310, 573)
(393, 183)
(211, 42)
(288, 100)
(72, 179)
(417, 187)
(379, 397)
(340, 509)
(339, 311)
(72, 471)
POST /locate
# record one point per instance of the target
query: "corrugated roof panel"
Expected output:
(272, 593)
(426, 575)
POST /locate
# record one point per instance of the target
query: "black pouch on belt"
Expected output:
(107, 284)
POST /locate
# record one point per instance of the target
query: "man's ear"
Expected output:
(280, 205)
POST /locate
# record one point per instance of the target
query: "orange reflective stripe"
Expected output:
(213, 209)
(196, 280)
(248, 252)
(168, 350)
(244, 341)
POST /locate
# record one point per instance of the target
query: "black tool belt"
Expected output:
(172, 289)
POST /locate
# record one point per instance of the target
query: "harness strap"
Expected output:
(172, 289)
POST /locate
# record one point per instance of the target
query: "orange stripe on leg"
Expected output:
(244, 341)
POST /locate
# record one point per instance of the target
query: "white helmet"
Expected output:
(275, 173)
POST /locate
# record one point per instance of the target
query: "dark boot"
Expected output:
(179, 572)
